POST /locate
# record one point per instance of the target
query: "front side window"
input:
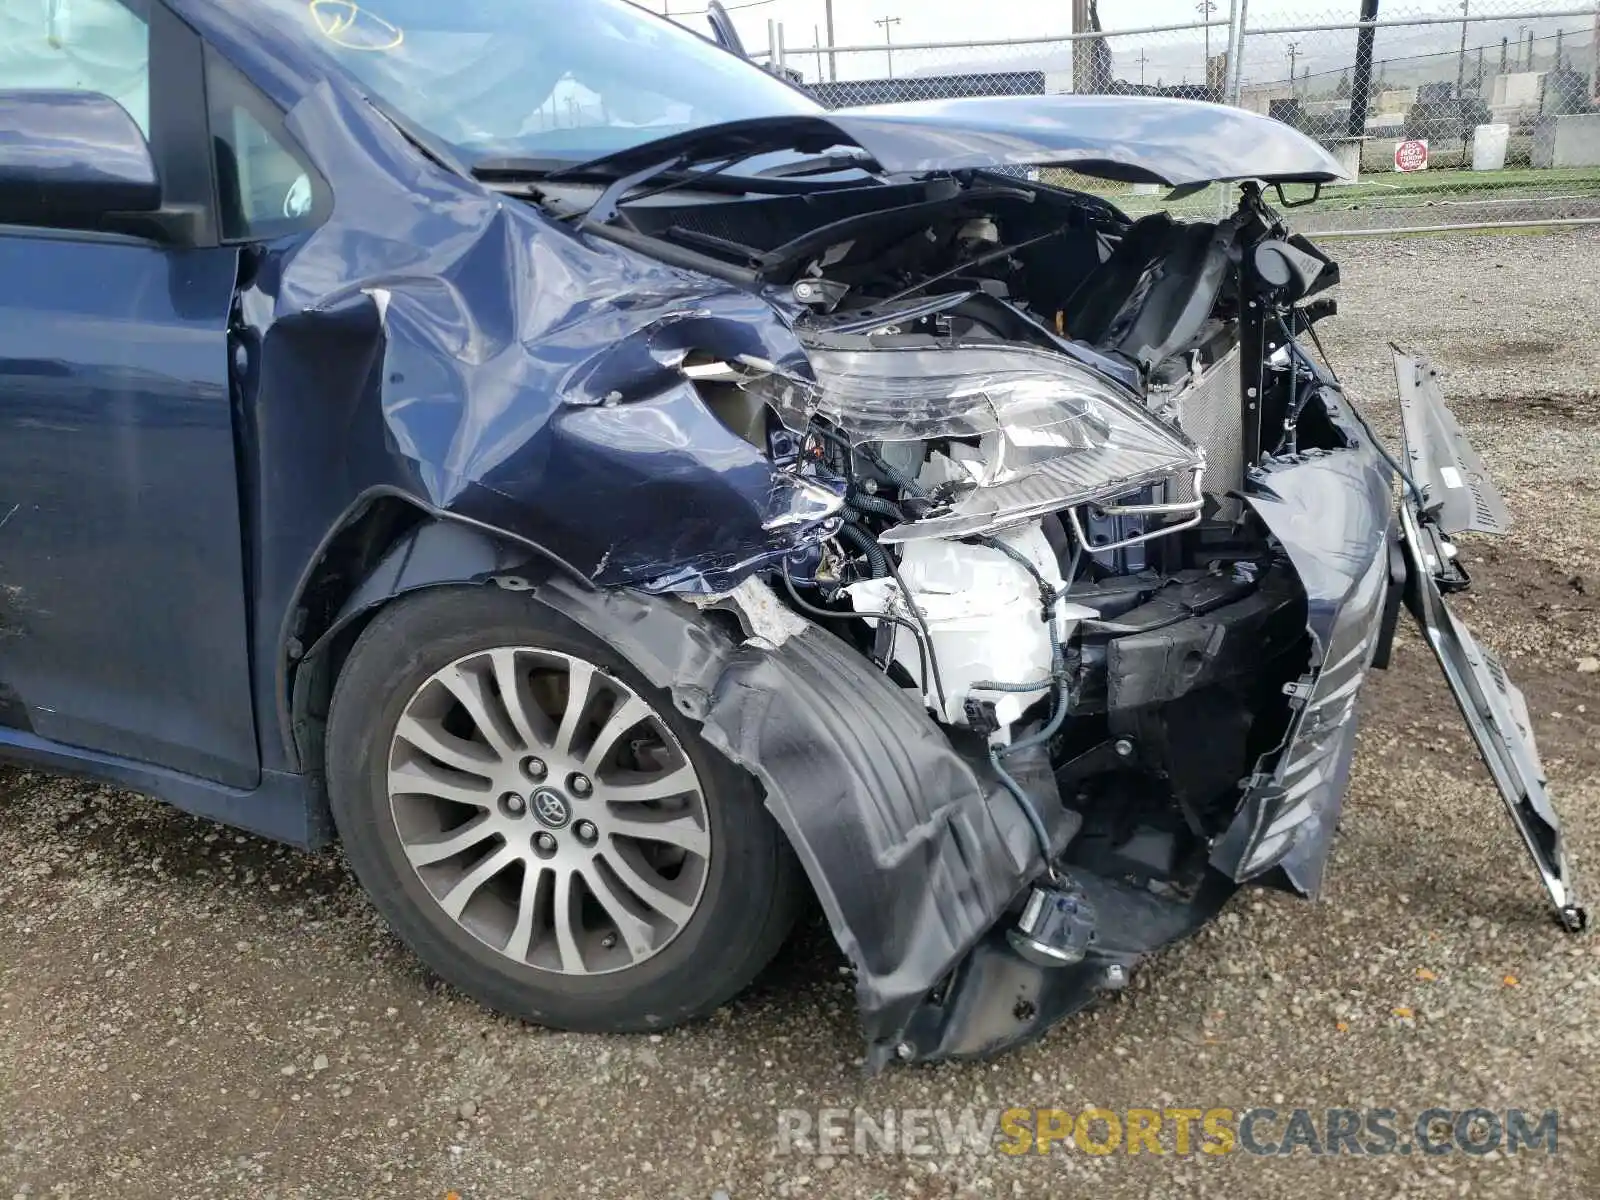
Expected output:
(78, 46)
(538, 78)
(265, 187)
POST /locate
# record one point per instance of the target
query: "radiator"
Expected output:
(1209, 411)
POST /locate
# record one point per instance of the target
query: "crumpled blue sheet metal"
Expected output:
(450, 345)
(523, 375)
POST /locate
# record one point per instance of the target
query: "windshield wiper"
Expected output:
(606, 209)
(822, 164)
(520, 170)
(552, 170)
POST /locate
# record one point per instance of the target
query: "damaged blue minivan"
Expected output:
(618, 499)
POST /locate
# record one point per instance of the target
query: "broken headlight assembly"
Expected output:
(999, 435)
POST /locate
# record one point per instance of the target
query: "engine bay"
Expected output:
(1032, 410)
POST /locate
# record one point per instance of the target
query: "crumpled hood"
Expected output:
(1135, 139)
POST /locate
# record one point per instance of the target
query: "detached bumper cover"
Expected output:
(1355, 553)
(1497, 717)
(1453, 494)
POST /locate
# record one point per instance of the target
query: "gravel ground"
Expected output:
(181, 1003)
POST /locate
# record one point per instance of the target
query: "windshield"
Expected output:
(543, 79)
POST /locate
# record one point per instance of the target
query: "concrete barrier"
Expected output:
(1572, 141)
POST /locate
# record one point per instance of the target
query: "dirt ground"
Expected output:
(188, 1011)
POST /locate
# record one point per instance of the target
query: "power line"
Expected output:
(695, 12)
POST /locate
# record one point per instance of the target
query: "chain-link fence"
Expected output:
(1464, 113)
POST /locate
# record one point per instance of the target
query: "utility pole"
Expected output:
(888, 24)
(1361, 78)
(1205, 8)
(1142, 61)
(1594, 48)
(1294, 48)
(1082, 49)
(1461, 54)
(1232, 82)
(833, 59)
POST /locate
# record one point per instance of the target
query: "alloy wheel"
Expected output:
(548, 810)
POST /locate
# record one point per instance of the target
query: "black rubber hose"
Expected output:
(863, 541)
(877, 505)
(1025, 803)
(1046, 593)
(1298, 400)
(1058, 672)
(1058, 717)
(1069, 575)
(899, 478)
(1019, 557)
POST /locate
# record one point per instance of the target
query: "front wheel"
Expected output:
(541, 826)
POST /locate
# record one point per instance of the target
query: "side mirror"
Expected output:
(70, 159)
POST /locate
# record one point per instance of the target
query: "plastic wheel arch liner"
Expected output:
(912, 849)
(1333, 513)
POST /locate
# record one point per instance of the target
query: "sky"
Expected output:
(1170, 57)
(958, 20)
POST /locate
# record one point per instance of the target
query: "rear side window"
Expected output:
(78, 46)
(266, 187)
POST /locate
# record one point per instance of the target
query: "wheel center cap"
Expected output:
(550, 808)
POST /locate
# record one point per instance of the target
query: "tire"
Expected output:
(415, 660)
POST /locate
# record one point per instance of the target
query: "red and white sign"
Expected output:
(1411, 155)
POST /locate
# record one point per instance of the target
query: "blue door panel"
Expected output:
(123, 626)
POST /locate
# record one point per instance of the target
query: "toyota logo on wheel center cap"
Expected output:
(550, 808)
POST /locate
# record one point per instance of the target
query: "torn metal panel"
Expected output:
(769, 621)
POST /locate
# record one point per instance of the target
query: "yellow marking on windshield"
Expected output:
(353, 27)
